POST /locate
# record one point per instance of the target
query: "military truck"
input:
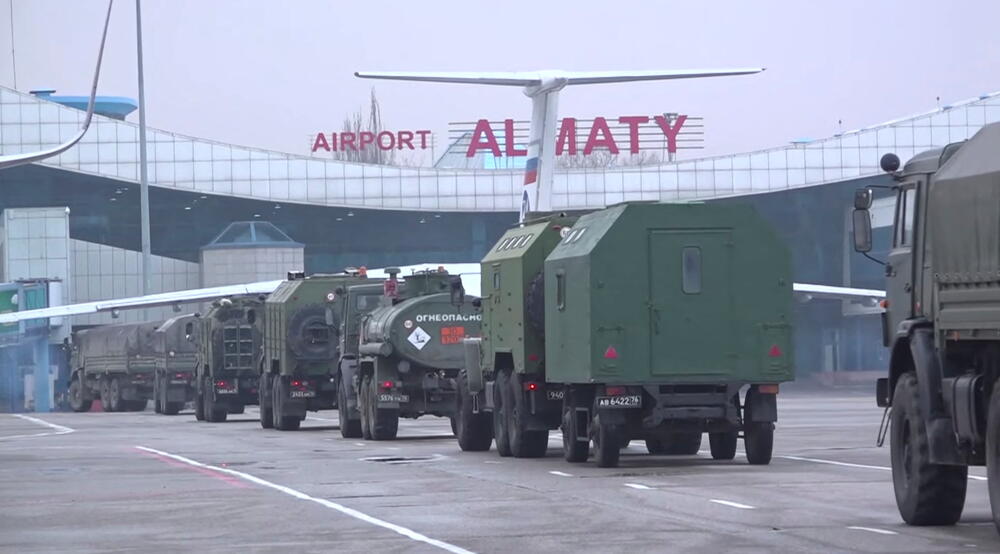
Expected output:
(115, 363)
(647, 321)
(942, 325)
(229, 338)
(298, 369)
(361, 299)
(176, 358)
(411, 351)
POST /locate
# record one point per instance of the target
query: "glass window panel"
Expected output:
(691, 270)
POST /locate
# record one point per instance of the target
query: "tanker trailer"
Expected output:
(176, 358)
(229, 341)
(114, 363)
(298, 370)
(411, 351)
(651, 321)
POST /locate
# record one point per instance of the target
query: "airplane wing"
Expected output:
(808, 291)
(532, 78)
(11, 160)
(148, 301)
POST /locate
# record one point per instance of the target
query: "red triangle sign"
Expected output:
(774, 352)
(611, 353)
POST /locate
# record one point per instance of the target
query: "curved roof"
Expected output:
(180, 162)
(251, 234)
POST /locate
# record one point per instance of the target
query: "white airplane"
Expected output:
(12, 160)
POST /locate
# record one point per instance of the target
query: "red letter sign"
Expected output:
(508, 131)
(671, 132)
(320, 142)
(567, 133)
(490, 143)
(607, 141)
(633, 122)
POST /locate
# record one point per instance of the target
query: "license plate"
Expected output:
(225, 390)
(178, 382)
(555, 394)
(623, 401)
(303, 394)
(388, 397)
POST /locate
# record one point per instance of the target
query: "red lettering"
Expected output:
(392, 140)
(511, 148)
(633, 122)
(423, 139)
(489, 143)
(606, 140)
(671, 131)
(406, 137)
(567, 134)
(320, 142)
(367, 137)
(347, 139)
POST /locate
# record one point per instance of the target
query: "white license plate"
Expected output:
(555, 394)
(226, 390)
(178, 382)
(623, 401)
(388, 397)
(303, 394)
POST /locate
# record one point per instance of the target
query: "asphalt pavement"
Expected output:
(124, 482)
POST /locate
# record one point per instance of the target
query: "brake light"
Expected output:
(530, 386)
(883, 304)
(386, 384)
(296, 383)
(614, 391)
(221, 383)
(532, 357)
(180, 376)
(768, 389)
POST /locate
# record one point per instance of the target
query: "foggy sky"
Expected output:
(271, 74)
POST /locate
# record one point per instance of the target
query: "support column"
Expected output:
(42, 379)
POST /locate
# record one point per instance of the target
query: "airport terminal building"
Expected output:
(220, 212)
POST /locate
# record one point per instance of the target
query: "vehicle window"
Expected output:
(560, 290)
(905, 217)
(691, 270)
(365, 303)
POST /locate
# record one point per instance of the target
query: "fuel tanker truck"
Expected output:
(228, 339)
(176, 358)
(298, 368)
(113, 363)
(649, 321)
(411, 351)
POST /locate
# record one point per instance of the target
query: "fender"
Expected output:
(940, 429)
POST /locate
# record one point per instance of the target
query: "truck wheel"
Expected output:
(157, 406)
(115, 400)
(199, 405)
(78, 400)
(675, 444)
(266, 411)
(500, 421)
(349, 428)
(213, 412)
(105, 394)
(363, 402)
(474, 431)
(993, 454)
(574, 450)
(282, 422)
(607, 443)
(723, 445)
(524, 443)
(758, 442)
(172, 408)
(926, 493)
(384, 422)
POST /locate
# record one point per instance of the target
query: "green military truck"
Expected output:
(360, 300)
(942, 325)
(411, 351)
(229, 344)
(176, 359)
(644, 321)
(298, 368)
(115, 363)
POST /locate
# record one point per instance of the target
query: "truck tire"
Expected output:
(104, 391)
(366, 426)
(758, 442)
(213, 412)
(78, 400)
(115, 400)
(282, 422)
(349, 428)
(384, 422)
(237, 409)
(172, 408)
(264, 401)
(473, 431)
(993, 453)
(574, 451)
(675, 444)
(199, 405)
(524, 443)
(157, 390)
(607, 442)
(926, 493)
(500, 421)
(723, 445)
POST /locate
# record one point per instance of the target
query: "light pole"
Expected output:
(143, 175)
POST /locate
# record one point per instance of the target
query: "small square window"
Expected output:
(691, 270)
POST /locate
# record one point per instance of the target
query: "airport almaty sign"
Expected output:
(384, 140)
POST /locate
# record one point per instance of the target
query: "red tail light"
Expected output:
(614, 391)
(180, 376)
(296, 383)
(768, 389)
(611, 353)
(531, 386)
(221, 383)
(387, 384)
(774, 352)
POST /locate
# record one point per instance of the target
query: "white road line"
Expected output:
(56, 429)
(408, 533)
(638, 486)
(561, 473)
(873, 530)
(360, 444)
(847, 464)
(731, 504)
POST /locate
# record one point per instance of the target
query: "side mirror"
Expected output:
(457, 291)
(863, 199)
(862, 230)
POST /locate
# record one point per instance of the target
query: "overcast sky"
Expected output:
(270, 74)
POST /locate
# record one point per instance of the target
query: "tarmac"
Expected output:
(130, 482)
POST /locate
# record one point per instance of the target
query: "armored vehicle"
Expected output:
(644, 321)
(115, 363)
(298, 369)
(229, 341)
(176, 358)
(411, 351)
(942, 325)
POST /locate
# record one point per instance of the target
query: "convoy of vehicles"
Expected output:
(942, 325)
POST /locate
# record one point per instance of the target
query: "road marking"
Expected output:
(408, 533)
(873, 530)
(360, 444)
(732, 504)
(847, 464)
(492, 462)
(561, 473)
(638, 486)
(56, 429)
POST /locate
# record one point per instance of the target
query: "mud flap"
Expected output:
(762, 407)
(940, 430)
